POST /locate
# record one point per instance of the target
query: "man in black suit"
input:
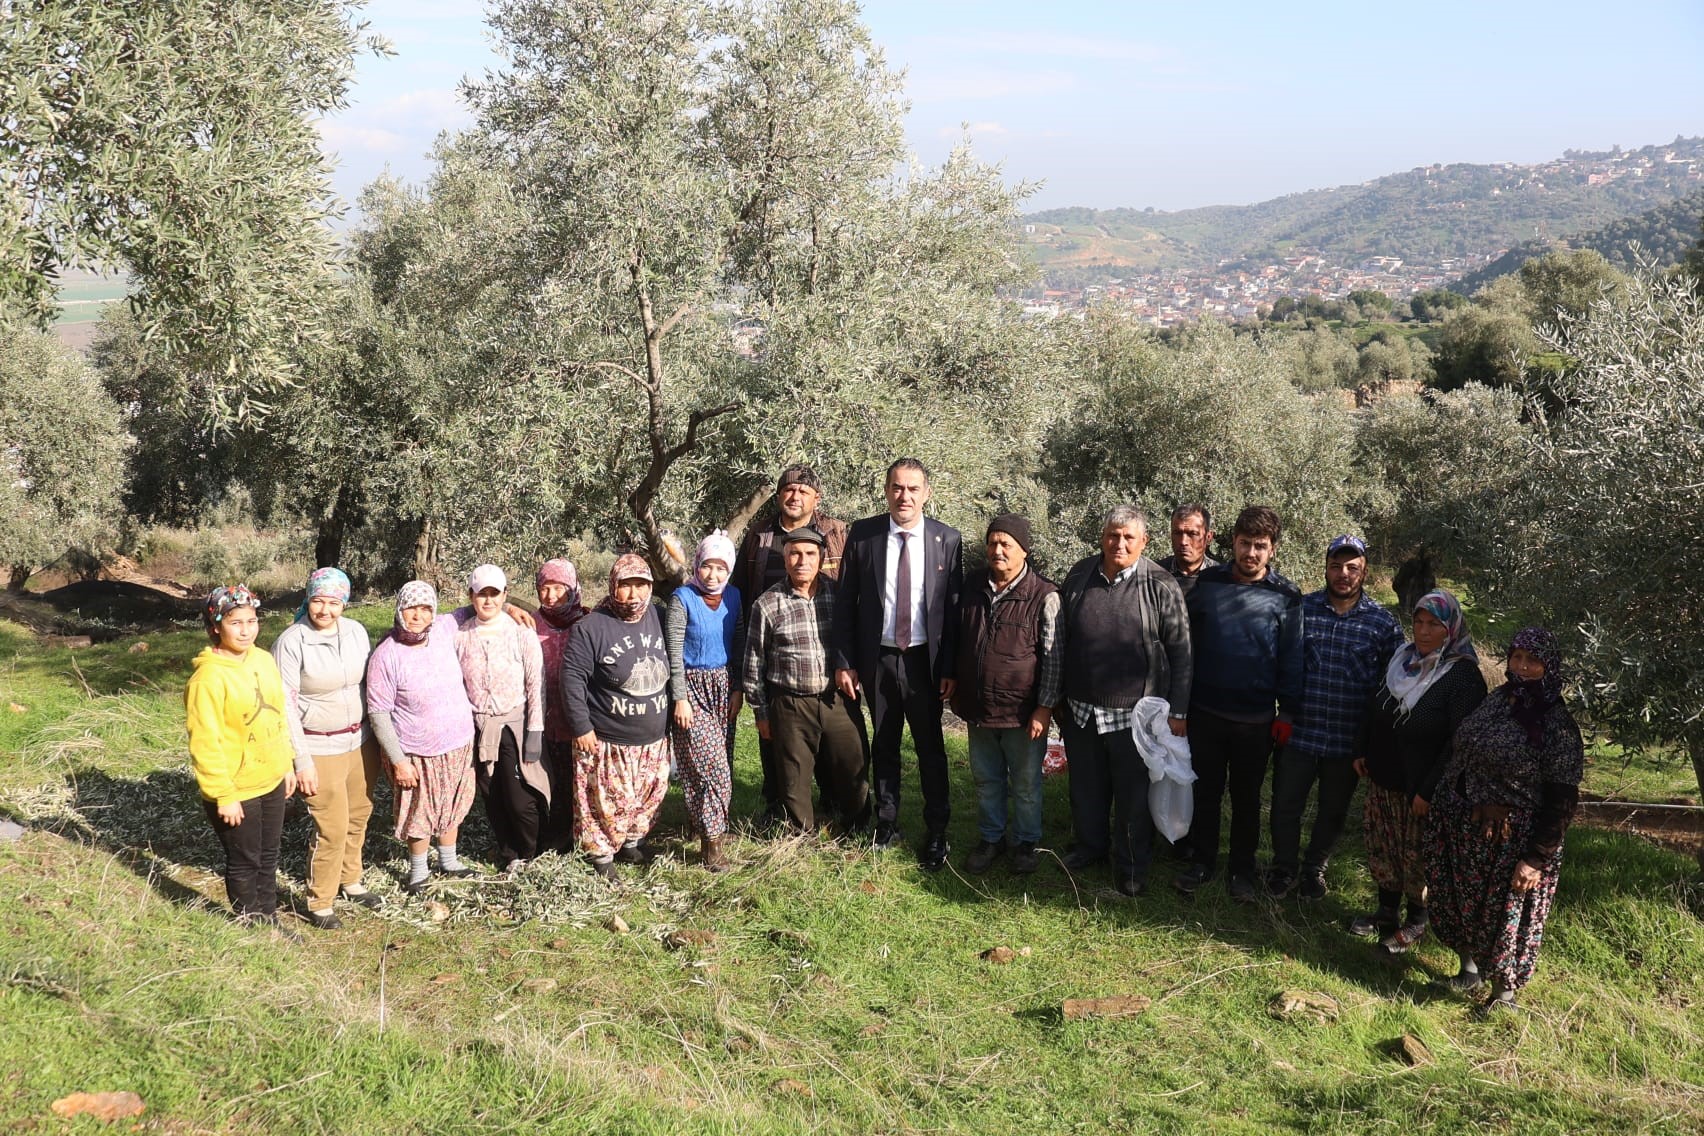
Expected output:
(895, 623)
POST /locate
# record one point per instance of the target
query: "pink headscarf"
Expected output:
(568, 612)
(716, 546)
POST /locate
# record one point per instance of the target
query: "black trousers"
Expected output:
(903, 693)
(1293, 777)
(251, 853)
(1107, 774)
(1227, 754)
(820, 737)
(522, 824)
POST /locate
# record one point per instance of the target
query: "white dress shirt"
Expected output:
(890, 584)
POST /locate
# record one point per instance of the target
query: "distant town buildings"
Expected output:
(1233, 290)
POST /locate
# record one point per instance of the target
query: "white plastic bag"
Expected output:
(1171, 773)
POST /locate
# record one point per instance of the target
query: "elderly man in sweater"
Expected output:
(1124, 636)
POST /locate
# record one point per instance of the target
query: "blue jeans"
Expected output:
(1007, 765)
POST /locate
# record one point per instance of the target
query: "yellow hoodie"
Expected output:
(239, 740)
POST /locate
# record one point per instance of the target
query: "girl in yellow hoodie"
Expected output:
(239, 742)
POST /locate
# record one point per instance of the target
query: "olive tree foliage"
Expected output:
(684, 175)
(1215, 419)
(1444, 460)
(1495, 340)
(1605, 519)
(176, 142)
(62, 448)
(182, 460)
(423, 437)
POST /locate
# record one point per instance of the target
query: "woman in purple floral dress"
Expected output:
(1495, 827)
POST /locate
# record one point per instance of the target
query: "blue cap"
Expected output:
(1346, 543)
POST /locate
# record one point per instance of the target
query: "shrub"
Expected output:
(210, 558)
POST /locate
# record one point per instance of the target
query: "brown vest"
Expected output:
(999, 657)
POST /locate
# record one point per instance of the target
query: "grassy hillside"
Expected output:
(1422, 215)
(842, 991)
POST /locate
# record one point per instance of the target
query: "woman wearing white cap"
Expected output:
(502, 668)
(702, 624)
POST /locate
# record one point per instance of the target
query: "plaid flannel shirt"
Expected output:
(1345, 657)
(786, 644)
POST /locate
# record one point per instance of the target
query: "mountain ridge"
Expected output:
(1428, 215)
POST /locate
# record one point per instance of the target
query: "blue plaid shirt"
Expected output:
(1344, 662)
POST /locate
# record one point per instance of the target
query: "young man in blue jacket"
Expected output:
(1245, 623)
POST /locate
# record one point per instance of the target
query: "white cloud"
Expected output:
(988, 83)
(432, 110)
(342, 137)
(984, 129)
(1057, 46)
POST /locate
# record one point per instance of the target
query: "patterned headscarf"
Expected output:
(1530, 700)
(415, 593)
(716, 546)
(568, 612)
(325, 582)
(627, 566)
(1410, 674)
(223, 600)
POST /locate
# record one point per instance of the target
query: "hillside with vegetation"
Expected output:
(1664, 235)
(630, 293)
(1428, 214)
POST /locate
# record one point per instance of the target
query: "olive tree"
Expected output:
(176, 142)
(1445, 459)
(1214, 419)
(694, 175)
(1605, 519)
(62, 448)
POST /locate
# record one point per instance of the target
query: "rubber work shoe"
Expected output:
(1402, 940)
(1024, 858)
(1381, 922)
(1189, 880)
(983, 856)
(367, 899)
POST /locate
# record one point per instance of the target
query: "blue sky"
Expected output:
(1174, 105)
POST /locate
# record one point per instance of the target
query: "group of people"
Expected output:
(570, 721)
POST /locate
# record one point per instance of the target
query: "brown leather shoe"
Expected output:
(714, 859)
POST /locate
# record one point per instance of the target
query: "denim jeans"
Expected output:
(1007, 767)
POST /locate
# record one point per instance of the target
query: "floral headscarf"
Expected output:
(568, 612)
(325, 582)
(1410, 674)
(222, 601)
(627, 566)
(1530, 700)
(415, 593)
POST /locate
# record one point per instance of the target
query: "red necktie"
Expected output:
(902, 594)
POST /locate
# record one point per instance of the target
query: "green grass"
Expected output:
(871, 1013)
